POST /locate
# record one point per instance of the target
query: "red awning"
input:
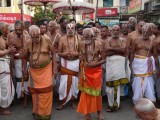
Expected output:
(12, 17)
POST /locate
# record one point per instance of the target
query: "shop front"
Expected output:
(108, 16)
(10, 18)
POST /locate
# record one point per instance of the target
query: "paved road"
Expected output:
(20, 113)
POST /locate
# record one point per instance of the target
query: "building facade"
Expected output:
(9, 11)
(152, 11)
(110, 12)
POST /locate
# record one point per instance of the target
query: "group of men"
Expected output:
(96, 60)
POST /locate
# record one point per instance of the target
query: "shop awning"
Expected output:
(12, 17)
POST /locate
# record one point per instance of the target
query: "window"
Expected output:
(0, 3)
(146, 7)
(127, 2)
(107, 3)
(124, 2)
(90, 1)
(7, 3)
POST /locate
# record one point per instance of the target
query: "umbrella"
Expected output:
(73, 8)
(44, 3)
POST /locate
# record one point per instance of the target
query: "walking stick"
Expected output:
(22, 43)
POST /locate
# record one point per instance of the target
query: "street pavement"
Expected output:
(20, 113)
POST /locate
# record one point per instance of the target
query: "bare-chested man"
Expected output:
(97, 34)
(63, 23)
(104, 38)
(55, 38)
(109, 31)
(145, 110)
(124, 34)
(41, 70)
(54, 35)
(115, 68)
(20, 75)
(104, 33)
(143, 59)
(79, 29)
(43, 28)
(27, 24)
(156, 32)
(6, 84)
(68, 51)
(132, 22)
(124, 29)
(92, 58)
(135, 34)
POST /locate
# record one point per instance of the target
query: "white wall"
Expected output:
(116, 3)
(100, 3)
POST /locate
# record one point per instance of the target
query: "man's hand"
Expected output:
(55, 72)
(90, 65)
(21, 53)
(11, 49)
(66, 54)
(73, 54)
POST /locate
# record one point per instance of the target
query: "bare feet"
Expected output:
(100, 116)
(60, 107)
(5, 112)
(74, 106)
(87, 117)
(24, 104)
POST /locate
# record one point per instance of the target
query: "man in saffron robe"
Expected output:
(91, 75)
(41, 69)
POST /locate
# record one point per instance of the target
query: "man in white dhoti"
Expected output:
(15, 39)
(68, 50)
(55, 38)
(6, 86)
(115, 68)
(143, 59)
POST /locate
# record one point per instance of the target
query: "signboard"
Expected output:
(109, 22)
(88, 16)
(102, 12)
(135, 6)
(12, 17)
(124, 10)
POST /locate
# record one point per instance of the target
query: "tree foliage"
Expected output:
(39, 13)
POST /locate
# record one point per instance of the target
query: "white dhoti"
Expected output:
(115, 76)
(18, 76)
(57, 80)
(143, 83)
(124, 88)
(69, 80)
(6, 85)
